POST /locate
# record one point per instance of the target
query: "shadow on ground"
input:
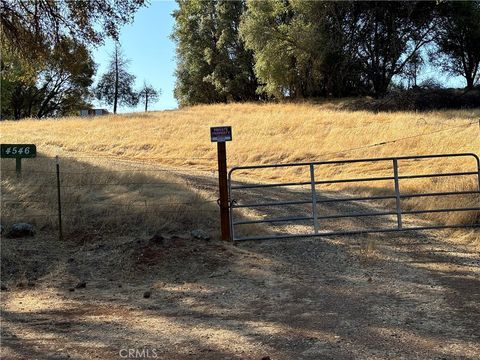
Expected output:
(359, 297)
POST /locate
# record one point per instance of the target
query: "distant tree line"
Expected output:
(46, 66)
(272, 49)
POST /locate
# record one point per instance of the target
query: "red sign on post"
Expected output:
(221, 133)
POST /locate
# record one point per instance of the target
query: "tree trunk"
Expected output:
(380, 85)
(115, 99)
(470, 82)
(146, 102)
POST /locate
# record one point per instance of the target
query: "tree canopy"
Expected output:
(301, 49)
(29, 27)
(458, 38)
(212, 62)
(46, 66)
(52, 86)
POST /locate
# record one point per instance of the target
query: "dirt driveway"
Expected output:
(390, 296)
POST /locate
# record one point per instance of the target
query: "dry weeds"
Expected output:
(279, 133)
(102, 198)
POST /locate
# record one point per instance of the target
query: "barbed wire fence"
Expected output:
(88, 198)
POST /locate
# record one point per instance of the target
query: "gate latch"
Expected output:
(230, 202)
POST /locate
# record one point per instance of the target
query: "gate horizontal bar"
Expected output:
(357, 215)
(356, 232)
(269, 185)
(363, 198)
(273, 204)
(414, 157)
(382, 178)
(440, 194)
(400, 177)
(440, 210)
(438, 175)
(358, 198)
(352, 215)
(253, 186)
(272, 220)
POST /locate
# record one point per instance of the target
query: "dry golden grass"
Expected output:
(102, 198)
(278, 133)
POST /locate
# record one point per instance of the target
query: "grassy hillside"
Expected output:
(276, 133)
(262, 133)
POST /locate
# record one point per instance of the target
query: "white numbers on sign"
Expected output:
(14, 150)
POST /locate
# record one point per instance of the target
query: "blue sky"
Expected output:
(146, 42)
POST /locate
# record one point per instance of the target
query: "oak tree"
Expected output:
(31, 26)
(458, 39)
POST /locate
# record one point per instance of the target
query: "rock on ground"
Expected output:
(21, 230)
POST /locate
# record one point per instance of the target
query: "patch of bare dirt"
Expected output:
(402, 296)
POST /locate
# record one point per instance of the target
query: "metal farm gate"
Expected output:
(313, 197)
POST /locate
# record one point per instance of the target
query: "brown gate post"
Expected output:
(223, 187)
(220, 134)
